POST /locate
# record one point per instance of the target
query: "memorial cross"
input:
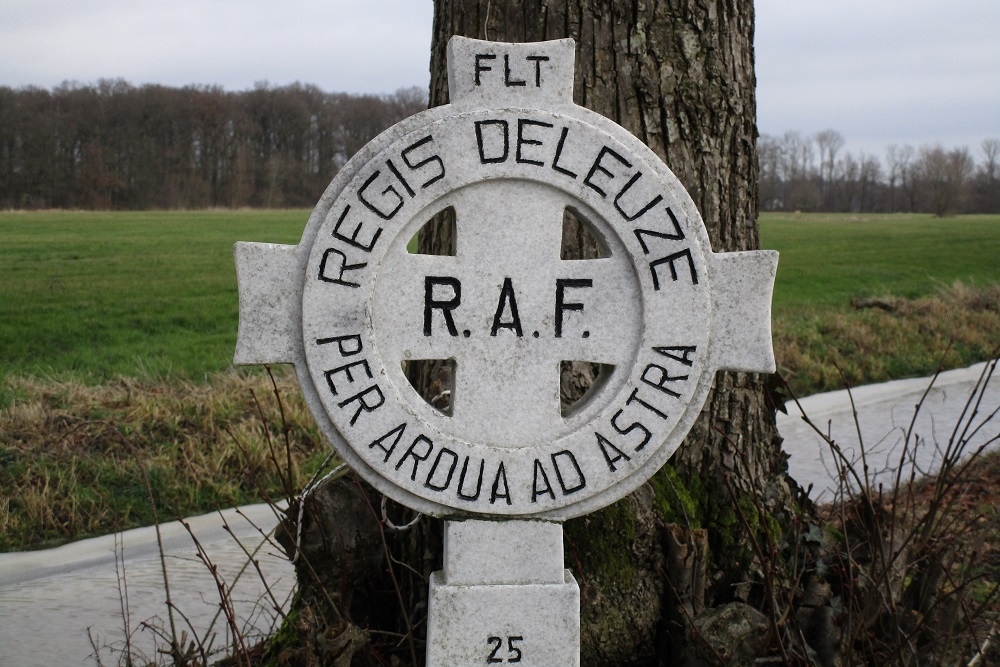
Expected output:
(349, 306)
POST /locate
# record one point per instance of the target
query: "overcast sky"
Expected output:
(878, 71)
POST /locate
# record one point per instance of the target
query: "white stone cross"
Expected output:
(350, 306)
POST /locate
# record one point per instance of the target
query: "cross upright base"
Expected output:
(503, 597)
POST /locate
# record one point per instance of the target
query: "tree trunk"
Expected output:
(678, 74)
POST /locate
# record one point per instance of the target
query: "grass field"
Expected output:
(94, 295)
(117, 333)
(936, 283)
(828, 259)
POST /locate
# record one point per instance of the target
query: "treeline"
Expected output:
(117, 146)
(814, 173)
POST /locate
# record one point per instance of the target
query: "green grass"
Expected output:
(828, 259)
(113, 327)
(92, 295)
(938, 277)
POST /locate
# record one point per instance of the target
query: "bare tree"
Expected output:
(943, 175)
(869, 176)
(850, 171)
(771, 183)
(829, 143)
(798, 156)
(987, 181)
(908, 176)
(991, 156)
(896, 159)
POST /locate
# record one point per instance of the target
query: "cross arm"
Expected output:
(269, 277)
(742, 284)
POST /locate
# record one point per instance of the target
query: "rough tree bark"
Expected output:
(679, 74)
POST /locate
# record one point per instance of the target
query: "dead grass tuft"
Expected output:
(70, 453)
(889, 337)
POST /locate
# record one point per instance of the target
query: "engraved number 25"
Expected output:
(513, 652)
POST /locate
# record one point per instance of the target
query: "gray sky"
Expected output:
(878, 71)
